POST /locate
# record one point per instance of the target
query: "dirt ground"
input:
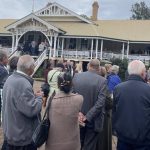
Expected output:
(36, 86)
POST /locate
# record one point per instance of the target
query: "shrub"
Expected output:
(123, 64)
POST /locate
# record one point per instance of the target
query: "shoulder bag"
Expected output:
(40, 135)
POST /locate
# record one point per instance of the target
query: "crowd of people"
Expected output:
(32, 48)
(87, 109)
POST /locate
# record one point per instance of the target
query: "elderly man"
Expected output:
(3, 73)
(131, 112)
(93, 88)
(21, 106)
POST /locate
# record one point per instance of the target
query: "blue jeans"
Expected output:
(126, 146)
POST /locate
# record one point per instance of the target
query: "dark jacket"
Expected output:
(131, 112)
(93, 89)
(3, 75)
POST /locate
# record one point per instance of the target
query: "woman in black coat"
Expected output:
(105, 137)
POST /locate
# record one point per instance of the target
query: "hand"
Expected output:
(81, 119)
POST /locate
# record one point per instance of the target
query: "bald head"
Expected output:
(137, 67)
(26, 64)
(94, 64)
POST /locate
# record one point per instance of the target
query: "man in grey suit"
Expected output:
(93, 88)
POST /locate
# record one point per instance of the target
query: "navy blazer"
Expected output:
(3, 75)
(131, 111)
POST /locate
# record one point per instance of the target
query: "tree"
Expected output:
(140, 11)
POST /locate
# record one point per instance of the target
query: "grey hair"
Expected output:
(136, 67)
(115, 69)
(3, 54)
(25, 63)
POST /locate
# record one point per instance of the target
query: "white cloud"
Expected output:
(109, 9)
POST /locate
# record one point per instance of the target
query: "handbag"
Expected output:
(40, 134)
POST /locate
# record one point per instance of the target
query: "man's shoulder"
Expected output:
(21, 79)
(2, 69)
(89, 75)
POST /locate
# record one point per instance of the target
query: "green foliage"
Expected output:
(140, 11)
(39, 73)
(123, 64)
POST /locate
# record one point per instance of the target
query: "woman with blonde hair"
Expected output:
(79, 67)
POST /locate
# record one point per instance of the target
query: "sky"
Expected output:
(108, 9)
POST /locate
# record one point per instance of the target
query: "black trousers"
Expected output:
(7, 146)
(88, 138)
(126, 146)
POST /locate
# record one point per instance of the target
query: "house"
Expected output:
(69, 35)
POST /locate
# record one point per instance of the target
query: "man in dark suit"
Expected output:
(93, 88)
(3, 73)
(131, 110)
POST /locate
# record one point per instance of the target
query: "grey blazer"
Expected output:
(93, 89)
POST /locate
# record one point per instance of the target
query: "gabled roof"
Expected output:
(28, 17)
(128, 30)
(131, 30)
(3, 23)
(55, 9)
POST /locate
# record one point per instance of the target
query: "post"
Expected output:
(62, 48)
(13, 42)
(76, 48)
(123, 51)
(96, 47)
(92, 49)
(50, 54)
(16, 40)
(57, 46)
(128, 47)
(101, 49)
(55, 38)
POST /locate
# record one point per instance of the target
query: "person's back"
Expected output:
(3, 75)
(52, 77)
(113, 79)
(88, 84)
(18, 114)
(131, 109)
(64, 129)
(21, 106)
(3, 70)
(132, 121)
(93, 89)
